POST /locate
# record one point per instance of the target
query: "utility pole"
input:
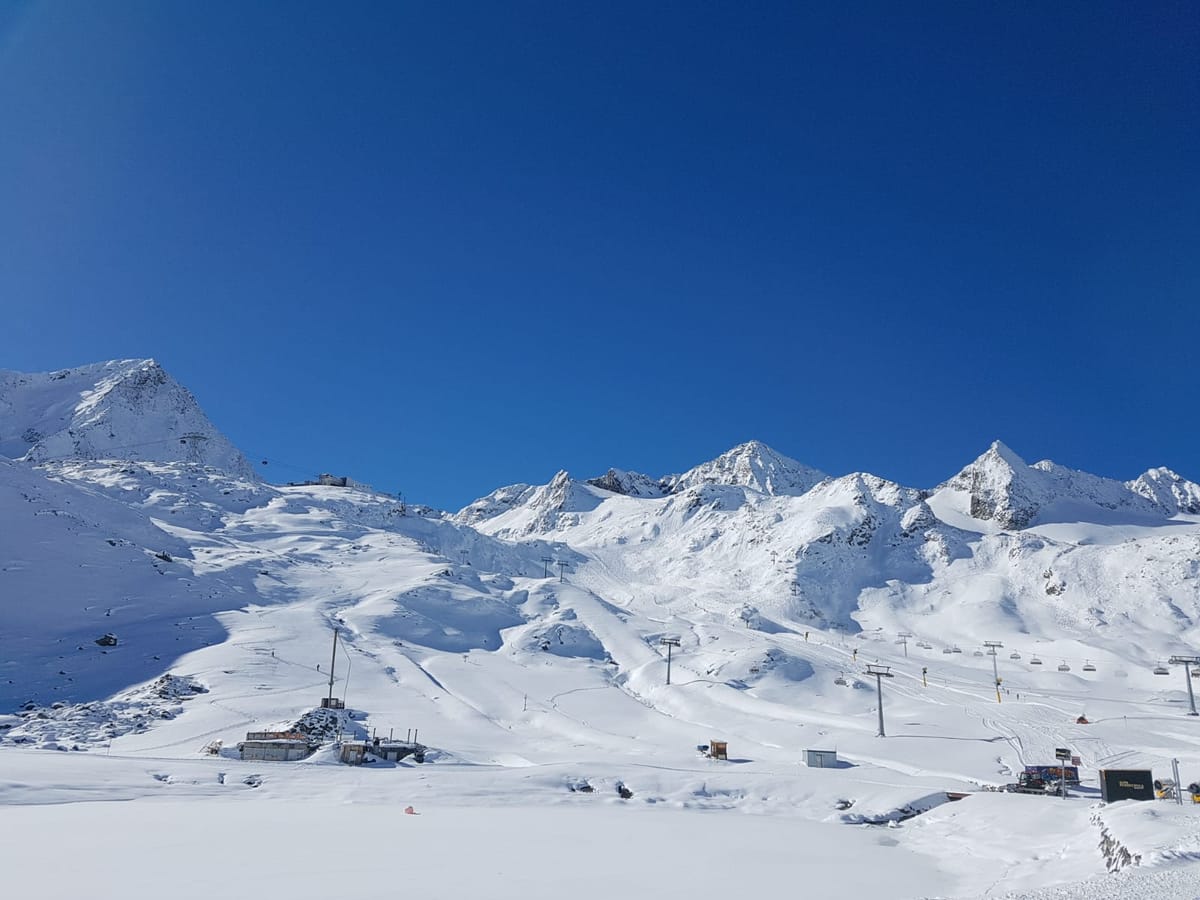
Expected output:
(1187, 662)
(880, 673)
(993, 646)
(669, 642)
(902, 638)
(546, 560)
(562, 567)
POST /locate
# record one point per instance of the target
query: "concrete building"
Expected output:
(275, 746)
(821, 759)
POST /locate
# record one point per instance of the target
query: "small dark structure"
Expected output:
(331, 480)
(354, 752)
(1126, 784)
(394, 751)
(333, 703)
(821, 759)
(718, 750)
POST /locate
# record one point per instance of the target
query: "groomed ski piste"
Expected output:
(522, 642)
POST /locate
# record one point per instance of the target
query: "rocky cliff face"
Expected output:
(631, 484)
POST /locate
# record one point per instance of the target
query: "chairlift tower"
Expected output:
(992, 647)
(880, 673)
(1187, 662)
(546, 560)
(194, 441)
(669, 642)
(332, 664)
(562, 568)
(902, 638)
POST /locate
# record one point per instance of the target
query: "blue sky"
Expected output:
(445, 247)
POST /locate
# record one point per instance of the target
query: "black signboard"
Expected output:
(1062, 753)
(1126, 784)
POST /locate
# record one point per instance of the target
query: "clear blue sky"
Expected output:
(443, 247)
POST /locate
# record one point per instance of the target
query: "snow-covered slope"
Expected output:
(523, 637)
(124, 409)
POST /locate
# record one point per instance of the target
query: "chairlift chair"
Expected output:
(1035, 662)
(1088, 667)
(977, 653)
(1014, 655)
(1063, 667)
(956, 649)
(1160, 669)
(947, 650)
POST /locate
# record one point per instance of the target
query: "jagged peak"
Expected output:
(631, 484)
(1168, 490)
(1000, 450)
(754, 465)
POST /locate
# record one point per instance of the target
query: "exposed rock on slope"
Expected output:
(631, 484)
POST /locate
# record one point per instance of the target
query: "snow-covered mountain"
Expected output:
(1170, 492)
(524, 633)
(1000, 487)
(753, 465)
(124, 409)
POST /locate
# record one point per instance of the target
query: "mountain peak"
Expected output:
(1003, 488)
(753, 465)
(998, 487)
(120, 409)
(1001, 451)
(1168, 489)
